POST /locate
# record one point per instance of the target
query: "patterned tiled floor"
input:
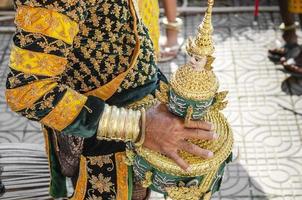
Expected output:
(265, 109)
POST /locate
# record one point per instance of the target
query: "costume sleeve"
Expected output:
(44, 37)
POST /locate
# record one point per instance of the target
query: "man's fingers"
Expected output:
(199, 134)
(200, 125)
(178, 160)
(195, 150)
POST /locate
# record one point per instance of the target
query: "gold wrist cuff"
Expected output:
(102, 129)
(119, 124)
(141, 140)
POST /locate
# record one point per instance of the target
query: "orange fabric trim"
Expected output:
(46, 22)
(122, 176)
(25, 96)
(295, 6)
(65, 111)
(36, 63)
(81, 186)
(106, 91)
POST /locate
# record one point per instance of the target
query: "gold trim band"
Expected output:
(35, 63)
(46, 22)
(25, 96)
(65, 111)
(119, 124)
(106, 91)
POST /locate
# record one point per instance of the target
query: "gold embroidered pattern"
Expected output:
(81, 186)
(72, 8)
(145, 68)
(65, 111)
(23, 39)
(146, 102)
(31, 62)
(100, 161)
(106, 91)
(100, 183)
(100, 186)
(25, 96)
(122, 176)
(193, 192)
(47, 22)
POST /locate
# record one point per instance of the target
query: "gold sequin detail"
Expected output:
(146, 102)
(65, 111)
(34, 63)
(47, 22)
(194, 85)
(106, 91)
(25, 96)
(193, 192)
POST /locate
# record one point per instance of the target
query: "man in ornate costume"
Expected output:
(77, 67)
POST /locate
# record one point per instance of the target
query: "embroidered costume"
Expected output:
(149, 12)
(69, 58)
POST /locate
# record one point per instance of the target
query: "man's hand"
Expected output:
(167, 134)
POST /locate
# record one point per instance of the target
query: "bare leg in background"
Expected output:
(170, 7)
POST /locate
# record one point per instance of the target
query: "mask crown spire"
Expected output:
(202, 43)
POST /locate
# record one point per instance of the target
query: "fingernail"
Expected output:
(210, 154)
(215, 136)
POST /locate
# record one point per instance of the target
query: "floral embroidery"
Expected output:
(93, 197)
(101, 183)
(72, 8)
(101, 177)
(100, 161)
(41, 43)
(103, 47)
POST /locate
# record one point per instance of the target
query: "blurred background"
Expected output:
(265, 107)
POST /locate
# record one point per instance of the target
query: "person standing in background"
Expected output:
(149, 12)
(290, 48)
(172, 24)
(293, 64)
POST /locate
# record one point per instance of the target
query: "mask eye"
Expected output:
(196, 59)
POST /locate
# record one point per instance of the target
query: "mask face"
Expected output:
(198, 62)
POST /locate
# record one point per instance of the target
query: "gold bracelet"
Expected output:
(102, 129)
(141, 140)
(113, 124)
(120, 131)
(128, 125)
(136, 126)
(119, 124)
